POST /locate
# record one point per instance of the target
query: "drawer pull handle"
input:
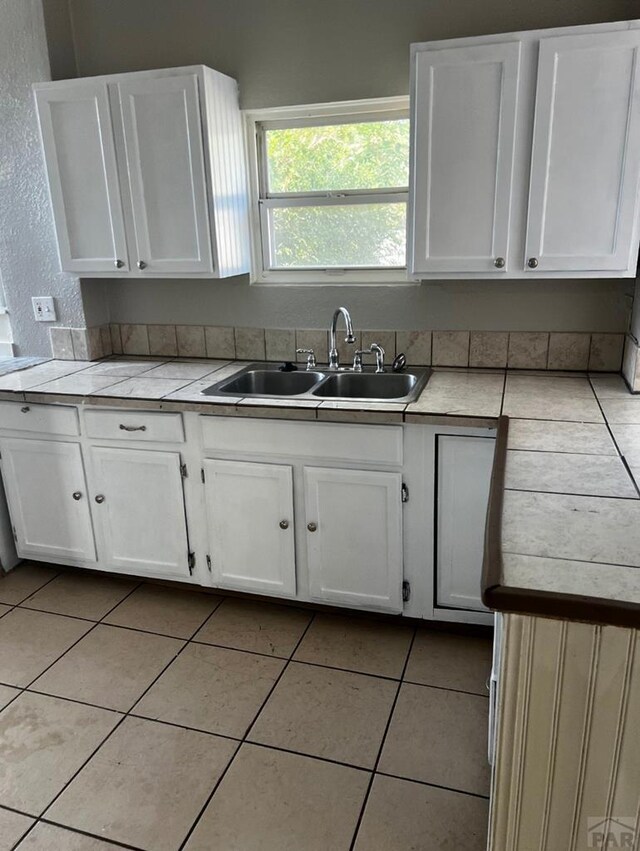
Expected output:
(132, 428)
(26, 409)
(99, 499)
(77, 496)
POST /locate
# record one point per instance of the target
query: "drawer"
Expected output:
(45, 419)
(365, 444)
(134, 425)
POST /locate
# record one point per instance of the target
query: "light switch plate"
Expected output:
(44, 308)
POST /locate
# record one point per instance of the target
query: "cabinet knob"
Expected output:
(141, 264)
(118, 264)
(77, 495)
(499, 262)
(284, 524)
(99, 499)
(532, 262)
(312, 527)
(25, 409)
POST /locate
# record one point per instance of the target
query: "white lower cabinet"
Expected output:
(47, 495)
(287, 511)
(354, 537)
(463, 480)
(250, 526)
(138, 506)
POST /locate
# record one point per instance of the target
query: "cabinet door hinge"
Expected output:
(15, 534)
(406, 591)
(183, 471)
(202, 474)
(404, 491)
(209, 563)
(191, 561)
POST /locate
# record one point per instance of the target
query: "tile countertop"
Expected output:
(564, 518)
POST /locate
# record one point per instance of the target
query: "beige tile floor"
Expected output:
(146, 717)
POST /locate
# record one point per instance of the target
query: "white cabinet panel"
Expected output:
(142, 426)
(463, 123)
(79, 152)
(48, 501)
(46, 419)
(164, 151)
(354, 553)
(353, 443)
(138, 506)
(586, 153)
(464, 466)
(251, 526)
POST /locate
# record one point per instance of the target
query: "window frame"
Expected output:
(345, 112)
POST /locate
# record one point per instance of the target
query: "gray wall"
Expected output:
(306, 51)
(28, 254)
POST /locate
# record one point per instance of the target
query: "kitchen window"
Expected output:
(330, 187)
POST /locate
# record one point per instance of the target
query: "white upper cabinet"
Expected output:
(526, 155)
(586, 153)
(464, 113)
(147, 173)
(81, 164)
(165, 154)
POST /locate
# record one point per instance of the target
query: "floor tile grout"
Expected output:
(244, 738)
(433, 785)
(382, 744)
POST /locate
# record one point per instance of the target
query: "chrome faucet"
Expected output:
(334, 362)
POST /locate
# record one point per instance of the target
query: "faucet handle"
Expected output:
(311, 359)
(357, 359)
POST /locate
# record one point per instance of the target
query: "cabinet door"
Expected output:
(165, 157)
(138, 506)
(354, 537)
(77, 138)
(250, 526)
(464, 467)
(48, 501)
(586, 154)
(463, 128)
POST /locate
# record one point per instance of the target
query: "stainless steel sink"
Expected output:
(267, 381)
(367, 385)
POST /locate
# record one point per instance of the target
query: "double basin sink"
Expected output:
(269, 381)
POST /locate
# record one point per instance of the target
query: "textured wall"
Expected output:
(28, 253)
(305, 51)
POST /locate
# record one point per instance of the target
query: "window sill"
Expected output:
(349, 278)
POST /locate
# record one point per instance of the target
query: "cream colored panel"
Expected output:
(568, 746)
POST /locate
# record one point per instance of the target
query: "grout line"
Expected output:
(567, 558)
(433, 785)
(125, 715)
(382, 743)
(77, 831)
(244, 738)
(636, 485)
(28, 597)
(352, 765)
(447, 688)
(575, 493)
(84, 635)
